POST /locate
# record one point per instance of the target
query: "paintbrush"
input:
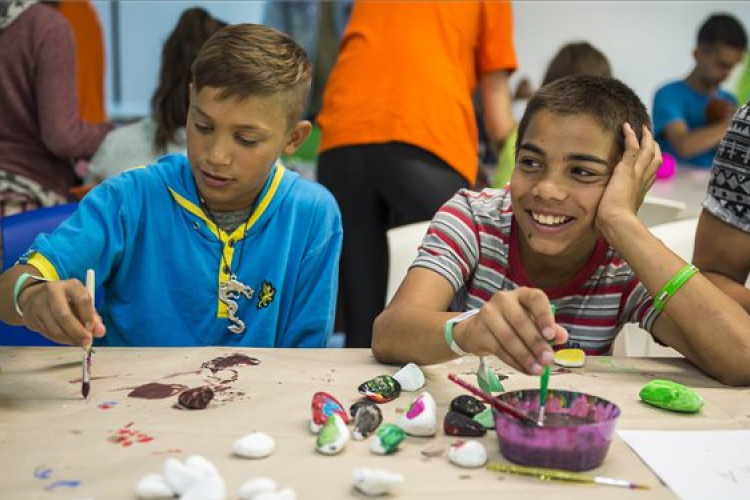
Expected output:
(86, 364)
(543, 388)
(562, 475)
(496, 403)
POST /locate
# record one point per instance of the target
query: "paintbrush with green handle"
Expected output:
(543, 388)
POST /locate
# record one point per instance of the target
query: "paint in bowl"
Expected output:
(576, 434)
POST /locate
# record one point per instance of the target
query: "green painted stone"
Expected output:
(671, 396)
(486, 418)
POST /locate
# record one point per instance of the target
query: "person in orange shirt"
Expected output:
(91, 67)
(398, 129)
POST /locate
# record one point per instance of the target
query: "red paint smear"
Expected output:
(166, 452)
(225, 362)
(127, 436)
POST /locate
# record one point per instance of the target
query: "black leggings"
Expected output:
(379, 186)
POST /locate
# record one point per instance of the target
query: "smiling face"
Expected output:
(563, 165)
(233, 144)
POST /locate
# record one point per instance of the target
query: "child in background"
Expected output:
(221, 246)
(577, 58)
(163, 132)
(566, 233)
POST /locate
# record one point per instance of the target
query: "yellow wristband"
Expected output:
(680, 278)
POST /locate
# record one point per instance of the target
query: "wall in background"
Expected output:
(143, 27)
(647, 42)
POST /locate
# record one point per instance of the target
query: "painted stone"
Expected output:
(196, 398)
(410, 377)
(671, 396)
(376, 482)
(367, 418)
(254, 445)
(486, 418)
(381, 389)
(333, 436)
(467, 405)
(469, 454)
(570, 358)
(250, 489)
(420, 418)
(323, 406)
(387, 439)
(458, 424)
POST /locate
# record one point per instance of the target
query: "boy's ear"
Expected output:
(297, 136)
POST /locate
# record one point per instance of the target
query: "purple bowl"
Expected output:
(576, 435)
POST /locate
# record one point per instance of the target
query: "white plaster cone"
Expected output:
(153, 486)
(254, 445)
(410, 377)
(420, 419)
(252, 487)
(208, 488)
(180, 477)
(375, 482)
(469, 454)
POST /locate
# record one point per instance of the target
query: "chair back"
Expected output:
(403, 243)
(18, 233)
(655, 210)
(679, 236)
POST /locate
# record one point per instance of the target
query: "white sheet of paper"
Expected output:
(697, 465)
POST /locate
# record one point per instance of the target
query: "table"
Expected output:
(48, 433)
(689, 186)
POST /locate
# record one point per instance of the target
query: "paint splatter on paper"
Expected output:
(107, 405)
(127, 436)
(42, 472)
(155, 390)
(71, 483)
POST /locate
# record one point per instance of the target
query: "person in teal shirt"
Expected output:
(691, 115)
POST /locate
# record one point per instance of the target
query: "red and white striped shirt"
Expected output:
(473, 243)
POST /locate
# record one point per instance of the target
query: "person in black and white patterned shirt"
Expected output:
(722, 240)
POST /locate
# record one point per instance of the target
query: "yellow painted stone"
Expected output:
(570, 358)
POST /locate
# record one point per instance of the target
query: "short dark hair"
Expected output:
(171, 99)
(577, 58)
(245, 60)
(608, 101)
(723, 29)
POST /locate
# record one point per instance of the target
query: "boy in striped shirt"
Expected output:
(565, 232)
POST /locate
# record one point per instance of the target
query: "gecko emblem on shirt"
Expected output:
(267, 294)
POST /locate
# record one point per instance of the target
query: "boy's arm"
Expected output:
(727, 265)
(509, 326)
(689, 143)
(496, 107)
(698, 314)
(62, 311)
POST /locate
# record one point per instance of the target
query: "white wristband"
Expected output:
(448, 331)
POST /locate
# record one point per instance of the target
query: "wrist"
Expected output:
(451, 330)
(23, 282)
(620, 226)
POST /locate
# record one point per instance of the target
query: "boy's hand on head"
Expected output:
(516, 326)
(62, 311)
(631, 179)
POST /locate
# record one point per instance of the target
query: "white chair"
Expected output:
(655, 210)
(679, 236)
(403, 243)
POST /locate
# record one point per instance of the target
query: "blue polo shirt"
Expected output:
(159, 260)
(678, 101)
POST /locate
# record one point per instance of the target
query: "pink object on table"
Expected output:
(668, 167)
(576, 434)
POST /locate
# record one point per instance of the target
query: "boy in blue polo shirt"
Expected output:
(221, 246)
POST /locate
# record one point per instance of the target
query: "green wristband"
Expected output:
(680, 278)
(19, 286)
